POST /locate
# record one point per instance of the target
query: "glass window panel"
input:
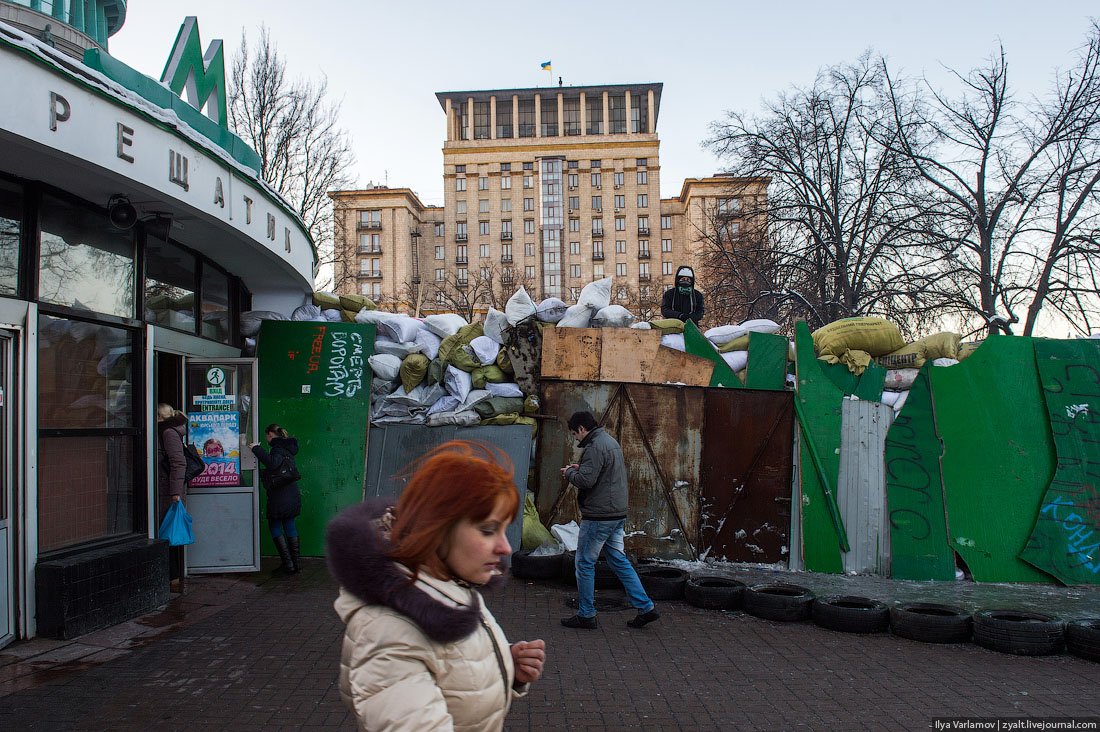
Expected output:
(215, 305)
(504, 119)
(11, 217)
(85, 375)
(85, 262)
(526, 118)
(617, 110)
(169, 285)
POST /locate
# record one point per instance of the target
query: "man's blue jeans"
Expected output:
(606, 535)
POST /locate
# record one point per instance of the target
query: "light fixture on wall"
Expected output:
(121, 213)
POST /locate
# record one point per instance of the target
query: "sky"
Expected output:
(384, 62)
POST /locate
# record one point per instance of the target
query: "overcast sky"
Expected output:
(385, 61)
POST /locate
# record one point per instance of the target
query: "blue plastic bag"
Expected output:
(176, 526)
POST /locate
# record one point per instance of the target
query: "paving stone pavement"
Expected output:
(253, 653)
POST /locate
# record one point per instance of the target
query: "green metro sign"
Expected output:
(201, 76)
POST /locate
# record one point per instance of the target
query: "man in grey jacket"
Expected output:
(602, 495)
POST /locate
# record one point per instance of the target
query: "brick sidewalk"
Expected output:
(266, 658)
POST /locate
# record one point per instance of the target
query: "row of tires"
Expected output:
(1006, 631)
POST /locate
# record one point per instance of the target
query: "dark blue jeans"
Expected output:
(606, 535)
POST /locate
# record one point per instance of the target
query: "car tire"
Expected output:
(661, 582)
(1083, 638)
(542, 567)
(929, 622)
(1019, 632)
(714, 593)
(604, 577)
(778, 601)
(850, 614)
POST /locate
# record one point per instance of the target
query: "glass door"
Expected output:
(7, 561)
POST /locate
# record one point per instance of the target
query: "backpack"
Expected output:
(195, 464)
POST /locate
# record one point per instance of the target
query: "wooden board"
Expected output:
(572, 353)
(637, 357)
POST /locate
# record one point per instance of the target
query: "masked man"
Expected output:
(683, 301)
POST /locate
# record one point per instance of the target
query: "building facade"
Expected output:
(134, 230)
(548, 188)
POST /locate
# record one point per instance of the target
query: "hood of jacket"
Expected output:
(684, 271)
(290, 444)
(357, 560)
(173, 422)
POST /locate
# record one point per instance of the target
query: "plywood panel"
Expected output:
(572, 353)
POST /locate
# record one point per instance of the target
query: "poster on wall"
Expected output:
(217, 437)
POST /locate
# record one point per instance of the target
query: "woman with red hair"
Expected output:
(421, 651)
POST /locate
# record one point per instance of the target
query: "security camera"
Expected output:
(121, 213)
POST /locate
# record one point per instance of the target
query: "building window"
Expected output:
(550, 120)
(666, 268)
(441, 298)
(528, 204)
(571, 116)
(574, 247)
(485, 274)
(505, 167)
(574, 293)
(481, 121)
(620, 223)
(597, 203)
(643, 200)
(641, 162)
(594, 163)
(483, 183)
(483, 228)
(572, 181)
(666, 245)
(574, 224)
(460, 207)
(528, 181)
(504, 124)
(370, 267)
(529, 249)
(666, 222)
(597, 226)
(594, 113)
(643, 290)
(620, 246)
(620, 201)
(732, 228)
(460, 255)
(460, 230)
(621, 293)
(572, 163)
(574, 270)
(529, 166)
(727, 206)
(597, 271)
(596, 180)
(441, 252)
(643, 224)
(460, 184)
(483, 206)
(618, 178)
(505, 182)
(506, 252)
(574, 202)
(529, 271)
(616, 108)
(371, 218)
(369, 243)
(643, 177)
(169, 284)
(505, 205)
(638, 117)
(597, 250)
(528, 226)
(506, 227)
(439, 230)
(526, 117)
(643, 247)
(460, 168)
(463, 275)
(643, 270)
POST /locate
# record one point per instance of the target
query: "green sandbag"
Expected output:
(534, 533)
(326, 300)
(462, 360)
(436, 369)
(531, 404)
(667, 325)
(507, 419)
(413, 370)
(356, 303)
(504, 362)
(493, 406)
(487, 374)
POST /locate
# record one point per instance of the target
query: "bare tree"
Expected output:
(1009, 189)
(295, 130)
(482, 287)
(839, 217)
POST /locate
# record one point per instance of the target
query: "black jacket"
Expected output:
(285, 502)
(682, 306)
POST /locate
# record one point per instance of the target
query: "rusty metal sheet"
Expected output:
(660, 429)
(746, 475)
(861, 485)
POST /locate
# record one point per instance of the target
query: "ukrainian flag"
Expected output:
(546, 66)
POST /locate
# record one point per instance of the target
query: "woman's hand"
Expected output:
(253, 444)
(528, 657)
(176, 499)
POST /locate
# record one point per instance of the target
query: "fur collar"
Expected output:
(358, 561)
(176, 420)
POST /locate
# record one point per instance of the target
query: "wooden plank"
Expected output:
(636, 356)
(572, 353)
(767, 362)
(698, 345)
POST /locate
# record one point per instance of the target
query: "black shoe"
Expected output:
(287, 567)
(294, 546)
(580, 622)
(642, 619)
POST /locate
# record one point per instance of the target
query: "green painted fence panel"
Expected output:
(1066, 539)
(914, 490)
(820, 403)
(998, 456)
(871, 381)
(767, 362)
(696, 344)
(315, 382)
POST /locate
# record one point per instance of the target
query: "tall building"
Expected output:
(549, 188)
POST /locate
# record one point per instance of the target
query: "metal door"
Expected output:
(224, 501)
(7, 560)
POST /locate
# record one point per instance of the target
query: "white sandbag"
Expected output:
(674, 340)
(507, 389)
(944, 361)
(251, 319)
(333, 315)
(485, 350)
(596, 295)
(519, 306)
(548, 548)
(377, 317)
(902, 396)
(427, 342)
(446, 403)
(401, 329)
(613, 316)
(385, 366)
(420, 398)
(641, 325)
(737, 360)
(399, 419)
(457, 382)
(390, 346)
(309, 311)
(382, 387)
(577, 316)
(890, 398)
(900, 379)
(461, 418)
(249, 348)
(567, 534)
(445, 324)
(761, 325)
(723, 334)
(551, 310)
(475, 396)
(496, 323)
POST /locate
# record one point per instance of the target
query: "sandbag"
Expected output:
(385, 366)
(641, 325)
(436, 369)
(613, 316)
(326, 300)
(505, 389)
(942, 362)
(900, 379)
(674, 340)
(427, 342)
(402, 328)
(876, 336)
(485, 350)
(401, 350)
(251, 319)
(333, 315)
(667, 325)
(724, 334)
(531, 404)
(460, 418)
(457, 382)
(857, 361)
(483, 375)
(493, 406)
(496, 323)
(534, 533)
(462, 358)
(355, 303)
(577, 316)
(596, 295)
(445, 403)
(737, 344)
(507, 419)
(737, 360)
(474, 397)
(551, 310)
(368, 315)
(519, 306)
(965, 349)
(445, 324)
(413, 370)
(504, 362)
(309, 311)
(913, 355)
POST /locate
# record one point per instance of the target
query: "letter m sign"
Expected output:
(202, 77)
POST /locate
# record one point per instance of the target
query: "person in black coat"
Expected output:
(284, 502)
(682, 301)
